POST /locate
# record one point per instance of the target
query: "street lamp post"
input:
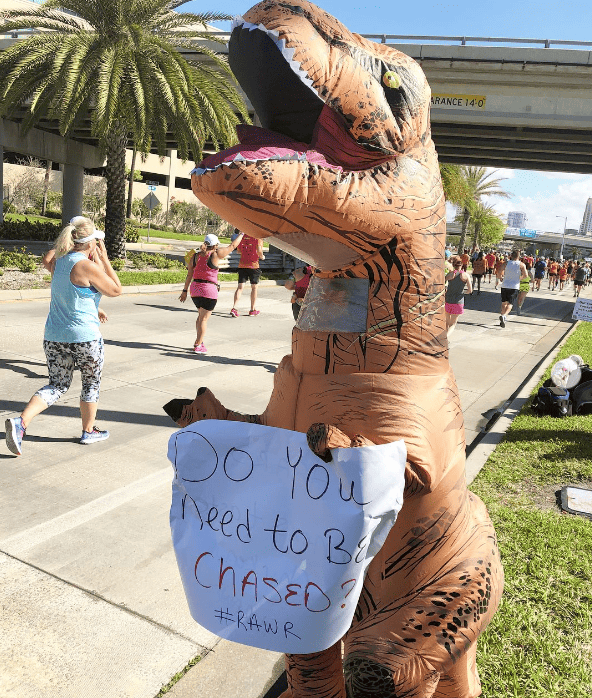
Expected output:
(563, 236)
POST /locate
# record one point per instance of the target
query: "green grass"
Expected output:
(539, 643)
(167, 235)
(31, 218)
(143, 278)
(177, 677)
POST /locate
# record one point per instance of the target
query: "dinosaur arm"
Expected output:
(204, 406)
(324, 437)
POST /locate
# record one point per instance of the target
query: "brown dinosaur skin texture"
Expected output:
(377, 230)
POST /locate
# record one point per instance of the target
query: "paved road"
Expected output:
(91, 597)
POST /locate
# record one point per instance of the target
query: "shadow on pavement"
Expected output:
(103, 415)
(278, 687)
(225, 360)
(17, 366)
(534, 304)
(174, 309)
(167, 348)
(187, 352)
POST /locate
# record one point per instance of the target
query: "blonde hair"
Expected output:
(66, 240)
(206, 248)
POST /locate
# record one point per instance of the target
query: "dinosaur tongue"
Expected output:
(261, 144)
(332, 147)
(257, 144)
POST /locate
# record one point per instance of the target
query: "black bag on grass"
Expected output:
(582, 398)
(552, 401)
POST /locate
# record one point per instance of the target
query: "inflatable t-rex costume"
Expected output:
(344, 175)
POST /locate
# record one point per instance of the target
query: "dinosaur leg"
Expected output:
(414, 678)
(462, 679)
(317, 675)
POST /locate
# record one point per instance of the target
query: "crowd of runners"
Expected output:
(515, 274)
(557, 274)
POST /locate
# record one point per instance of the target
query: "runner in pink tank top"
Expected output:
(205, 277)
(202, 274)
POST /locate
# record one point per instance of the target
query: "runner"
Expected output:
(579, 279)
(499, 270)
(539, 272)
(202, 283)
(562, 276)
(524, 285)
(514, 272)
(490, 259)
(553, 268)
(458, 283)
(251, 251)
(465, 260)
(479, 267)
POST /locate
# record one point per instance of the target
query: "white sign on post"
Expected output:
(583, 310)
(272, 543)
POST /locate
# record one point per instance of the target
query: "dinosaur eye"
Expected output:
(391, 79)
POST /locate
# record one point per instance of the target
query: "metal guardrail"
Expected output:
(465, 40)
(404, 38)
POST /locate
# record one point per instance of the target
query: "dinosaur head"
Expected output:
(344, 137)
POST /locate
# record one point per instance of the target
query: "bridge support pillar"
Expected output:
(72, 190)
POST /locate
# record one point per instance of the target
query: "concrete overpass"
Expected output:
(526, 104)
(517, 103)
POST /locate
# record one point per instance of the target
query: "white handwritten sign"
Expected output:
(271, 542)
(583, 310)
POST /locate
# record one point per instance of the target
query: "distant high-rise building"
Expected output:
(516, 219)
(586, 227)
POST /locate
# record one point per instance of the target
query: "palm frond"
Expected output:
(42, 18)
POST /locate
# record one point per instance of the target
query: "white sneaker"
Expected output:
(502, 320)
(89, 437)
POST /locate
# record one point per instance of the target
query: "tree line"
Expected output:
(466, 187)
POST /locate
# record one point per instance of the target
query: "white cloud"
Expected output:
(545, 211)
(545, 196)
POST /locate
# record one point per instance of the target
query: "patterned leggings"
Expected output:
(63, 358)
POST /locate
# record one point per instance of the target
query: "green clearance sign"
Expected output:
(449, 101)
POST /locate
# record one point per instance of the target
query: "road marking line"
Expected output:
(25, 540)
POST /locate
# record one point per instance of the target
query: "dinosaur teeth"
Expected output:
(286, 51)
(237, 21)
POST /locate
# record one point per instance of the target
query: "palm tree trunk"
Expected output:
(477, 235)
(48, 166)
(115, 177)
(463, 230)
(130, 187)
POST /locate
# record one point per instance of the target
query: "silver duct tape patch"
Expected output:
(335, 305)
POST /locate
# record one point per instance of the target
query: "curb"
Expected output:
(35, 294)
(484, 446)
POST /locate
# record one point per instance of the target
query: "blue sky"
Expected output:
(542, 196)
(543, 19)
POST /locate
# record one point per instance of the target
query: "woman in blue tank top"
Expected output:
(81, 272)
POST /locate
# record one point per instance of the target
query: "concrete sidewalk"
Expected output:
(91, 596)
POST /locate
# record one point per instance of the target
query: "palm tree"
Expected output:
(453, 183)
(117, 61)
(487, 225)
(479, 183)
